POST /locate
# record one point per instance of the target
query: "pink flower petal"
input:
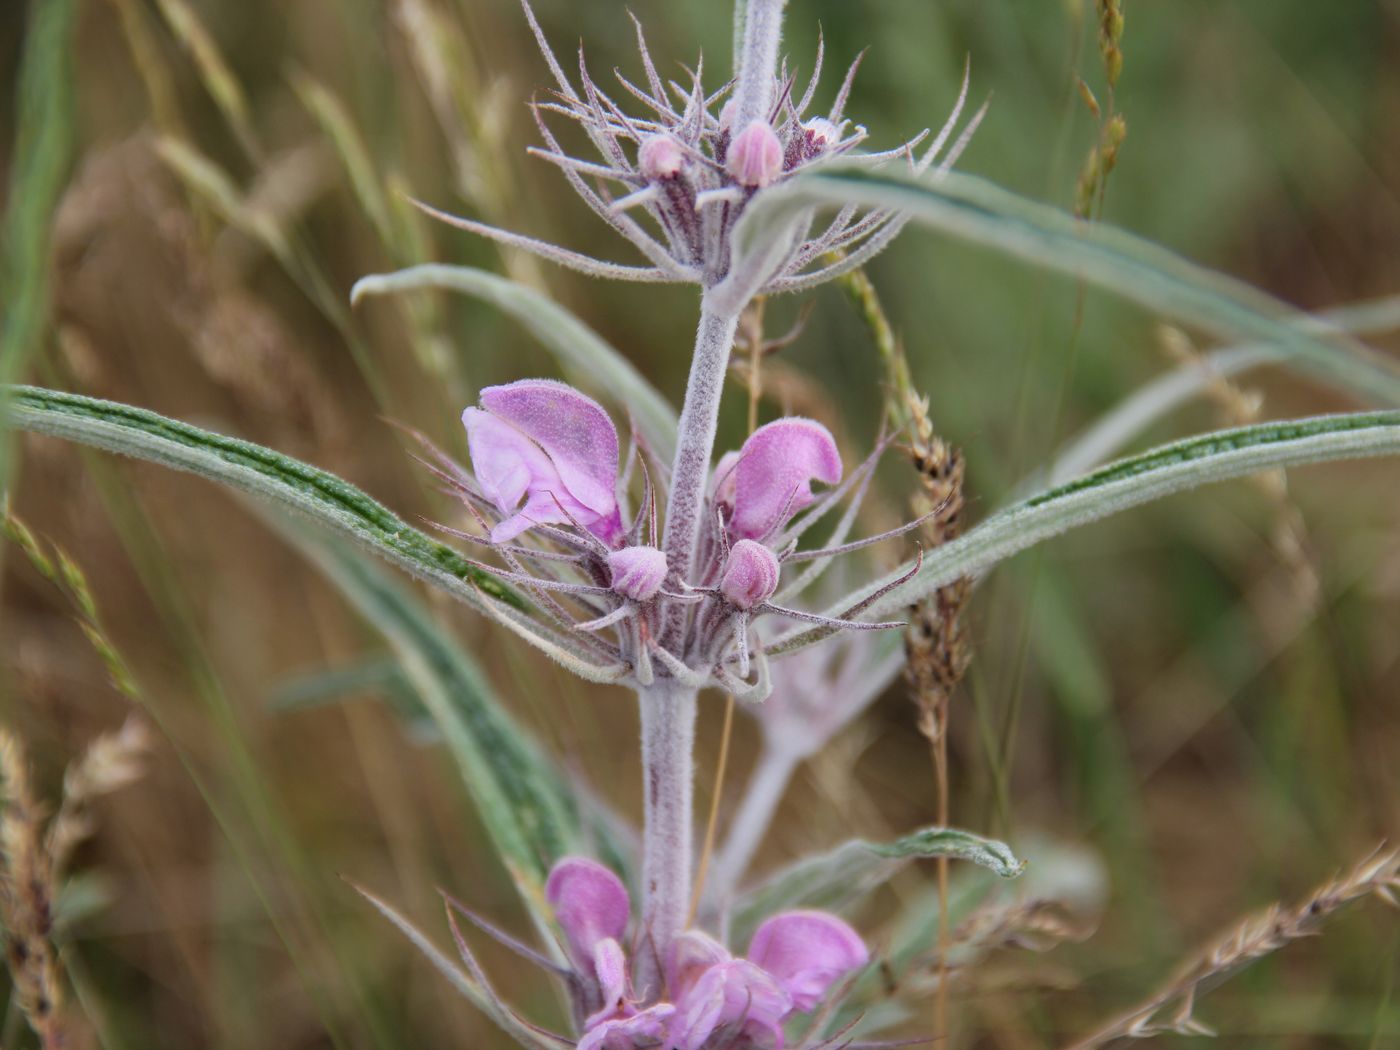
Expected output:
(645, 1028)
(572, 429)
(777, 465)
(722, 481)
(590, 904)
(750, 574)
(808, 952)
(735, 993)
(610, 967)
(544, 440)
(692, 953)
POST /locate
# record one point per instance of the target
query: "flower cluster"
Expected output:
(711, 1000)
(692, 162)
(546, 462)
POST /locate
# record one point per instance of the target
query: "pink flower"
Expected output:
(736, 994)
(770, 479)
(545, 443)
(692, 953)
(750, 574)
(644, 1028)
(793, 961)
(592, 908)
(808, 952)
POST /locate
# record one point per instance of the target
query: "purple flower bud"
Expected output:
(637, 572)
(773, 476)
(660, 157)
(730, 993)
(591, 905)
(755, 157)
(808, 952)
(546, 443)
(750, 574)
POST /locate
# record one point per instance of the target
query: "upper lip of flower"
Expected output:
(695, 210)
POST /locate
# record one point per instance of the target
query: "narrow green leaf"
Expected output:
(528, 808)
(328, 500)
(836, 880)
(323, 497)
(1131, 482)
(1149, 403)
(575, 344)
(42, 152)
(980, 212)
(952, 842)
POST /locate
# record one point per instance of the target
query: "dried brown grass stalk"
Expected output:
(1032, 925)
(936, 650)
(27, 897)
(1378, 875)
(34, 852)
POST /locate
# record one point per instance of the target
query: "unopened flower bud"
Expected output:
(822, 134)
(755, 157)
(637, 572)
(660, 157)
(750, 574)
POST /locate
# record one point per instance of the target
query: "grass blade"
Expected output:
(575, 344)
(42, 152)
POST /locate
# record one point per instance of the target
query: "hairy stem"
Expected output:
(762, 794)
(668, 745)
(757, 59)
(695, 443)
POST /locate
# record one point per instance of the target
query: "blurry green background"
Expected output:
(1162, 688)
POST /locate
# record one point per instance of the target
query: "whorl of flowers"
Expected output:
(711, 1000)
(688, 163)
(546, 488)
